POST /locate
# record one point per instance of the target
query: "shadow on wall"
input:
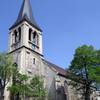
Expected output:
(52, 91)
(56, 94)
(61, 93)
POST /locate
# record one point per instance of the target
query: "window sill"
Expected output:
(33, 44)
(14, 44)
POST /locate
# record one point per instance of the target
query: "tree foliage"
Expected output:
(37, 87)
(6, 70)
(85, 69)
(19, 88)
(22, 85)
(23, 88)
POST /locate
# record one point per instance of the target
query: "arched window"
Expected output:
(19, 31)
(16, 35)
(61, 93)
(35, 38)
(34, 61)
(38, 40)
(30, 33)
(66, 89)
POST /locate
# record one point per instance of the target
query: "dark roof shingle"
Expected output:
(58, 69)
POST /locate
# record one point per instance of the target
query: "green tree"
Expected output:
(37, 88)
(6, 69)
(85, 70)
(22, 88)
(19, 88)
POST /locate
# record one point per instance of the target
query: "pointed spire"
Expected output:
(26, 14)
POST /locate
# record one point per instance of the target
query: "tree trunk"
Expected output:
(18, 98)
(87, 93)
(2, 93)
(11, 96)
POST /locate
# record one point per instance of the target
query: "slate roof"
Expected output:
(59, 70)
(26, 14)
(62, 72)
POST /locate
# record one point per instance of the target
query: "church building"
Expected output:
(25, 44)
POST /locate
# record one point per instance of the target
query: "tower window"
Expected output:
(19, 31)
(34, 35)
(34, 61)
(38, 40)
(16, 35)
(13, 38)
(35, 38)
(30, 32)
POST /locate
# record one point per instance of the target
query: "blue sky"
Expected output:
(66, 25)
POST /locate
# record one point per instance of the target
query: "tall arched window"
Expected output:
(35, 38)
(19, 31)
(30, 33)
(16, 34)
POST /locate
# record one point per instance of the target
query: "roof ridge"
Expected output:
(59, 69)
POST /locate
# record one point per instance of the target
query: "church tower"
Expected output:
(25, 40)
